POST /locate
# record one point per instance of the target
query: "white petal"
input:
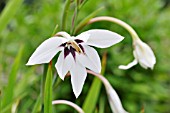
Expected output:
(124, 67)
(78, 76)
(103, 38)
(64, 34)
(114, 100)
(83, 36)
(90, 59)
(144, 54)
(46, 51)
(64, 65)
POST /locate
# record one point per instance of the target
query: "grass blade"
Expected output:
(9, 12)
(37, 106)
(101, 104)
(83, 22)
(9, 91)
(48, 92)
(93, 94)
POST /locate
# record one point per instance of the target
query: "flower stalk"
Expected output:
(76, 107)
(113, 20)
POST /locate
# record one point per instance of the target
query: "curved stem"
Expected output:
(68, 103)
(103, 79)
(117, 21)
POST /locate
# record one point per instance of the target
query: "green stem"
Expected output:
(74, 19)
(43, 86)
(65, 13)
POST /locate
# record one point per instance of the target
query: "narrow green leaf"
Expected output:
(37, 105)
(48, 92)
(83, 22)
(43, 79)
(101, 104)
(9, 91)
(9, 12)
(92, 97)
(6, 108)
(93, 94)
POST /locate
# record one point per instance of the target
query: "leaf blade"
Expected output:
(9, 12)
(48, 92)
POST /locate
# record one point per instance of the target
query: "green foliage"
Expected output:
(9, 12)
(10, 88)
(34, 22)
(48, 92)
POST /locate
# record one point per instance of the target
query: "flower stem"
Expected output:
(68, 103)
(103, 79)
(114, 20)
(64, 16)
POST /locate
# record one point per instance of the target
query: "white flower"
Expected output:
(143, 54)
(76, 54)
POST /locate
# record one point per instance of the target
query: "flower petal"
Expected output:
(78, 76)
(131, 64)
(46, 51)
(64, 34)
(63, 65)
(90, 59)
(103, 38)
(144, 54)
(114, 100)
(83, 36)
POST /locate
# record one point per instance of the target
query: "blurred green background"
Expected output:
(35, 20)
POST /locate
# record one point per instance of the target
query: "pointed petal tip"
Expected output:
(131, 64)
(122, 67)
(29, 64)
(76, 95)
(62, 78)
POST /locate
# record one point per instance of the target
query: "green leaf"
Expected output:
(9, 91)
(9, 12)
(37, 105)
(101, 104)
(93, 94)
(48, 92)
